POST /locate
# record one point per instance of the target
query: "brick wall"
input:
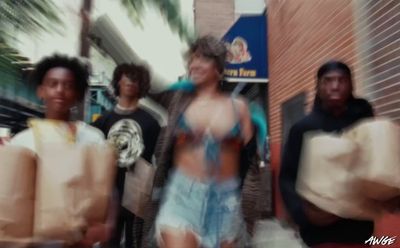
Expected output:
(213, 17)
(378, 40)
(303, 34)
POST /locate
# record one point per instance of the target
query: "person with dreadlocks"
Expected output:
(335, 108)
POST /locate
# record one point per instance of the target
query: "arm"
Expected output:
(370, 111)
(153, 137)
(361, 109)
(101, 232)
(248, 154)
(175, 90)
(302, 212)
(163, 98)
(288, 177)
(248, 158)
(150, 135)
(245, 120)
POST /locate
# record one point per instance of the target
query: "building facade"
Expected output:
(303, 34)
(213, 17)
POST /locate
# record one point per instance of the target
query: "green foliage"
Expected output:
(28, 16)
(169, 9)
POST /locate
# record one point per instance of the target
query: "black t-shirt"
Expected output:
(134, 134)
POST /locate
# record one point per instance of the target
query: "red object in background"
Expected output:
(388, 225)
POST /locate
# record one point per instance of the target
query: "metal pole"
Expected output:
(84, 50)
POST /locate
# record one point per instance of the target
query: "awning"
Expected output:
(246, 41)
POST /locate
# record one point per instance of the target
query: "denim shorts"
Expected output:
(209, 210)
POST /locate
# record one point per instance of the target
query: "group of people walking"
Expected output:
(203, 154)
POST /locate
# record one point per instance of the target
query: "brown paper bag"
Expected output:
(101, 164)
(17, 192)
(138, 187)
(326, 177)
(62, 193)
(74, 186)
(379, 161)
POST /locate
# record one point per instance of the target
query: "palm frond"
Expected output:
(28, 16)
(134, 9)
(169, 9)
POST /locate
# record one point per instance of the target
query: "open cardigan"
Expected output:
(176, 103)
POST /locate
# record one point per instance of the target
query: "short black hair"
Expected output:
(334, 65)
(80, 71)
(138, 73)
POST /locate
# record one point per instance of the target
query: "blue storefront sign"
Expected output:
(247, 50)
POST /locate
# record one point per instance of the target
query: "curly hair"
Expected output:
(138, 73)
(210, 47)
(80, 71)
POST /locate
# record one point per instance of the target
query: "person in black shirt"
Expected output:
(134, 132)
(335, 108)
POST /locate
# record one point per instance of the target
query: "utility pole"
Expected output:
(84, 50)
(85, 15)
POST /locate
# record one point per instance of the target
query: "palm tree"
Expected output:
(28, 16)
(169, 9)
(31, 16)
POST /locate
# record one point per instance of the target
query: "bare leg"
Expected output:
(178, 239)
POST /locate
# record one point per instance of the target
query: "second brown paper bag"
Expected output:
(17, 192)
(378, 164)
(326, 177)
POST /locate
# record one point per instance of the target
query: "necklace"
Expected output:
(123, 110)
(126, 108)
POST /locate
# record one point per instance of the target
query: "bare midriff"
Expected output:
(190, 159)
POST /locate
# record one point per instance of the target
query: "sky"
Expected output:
(153, 42)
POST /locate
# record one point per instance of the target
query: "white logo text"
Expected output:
(384, 240)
